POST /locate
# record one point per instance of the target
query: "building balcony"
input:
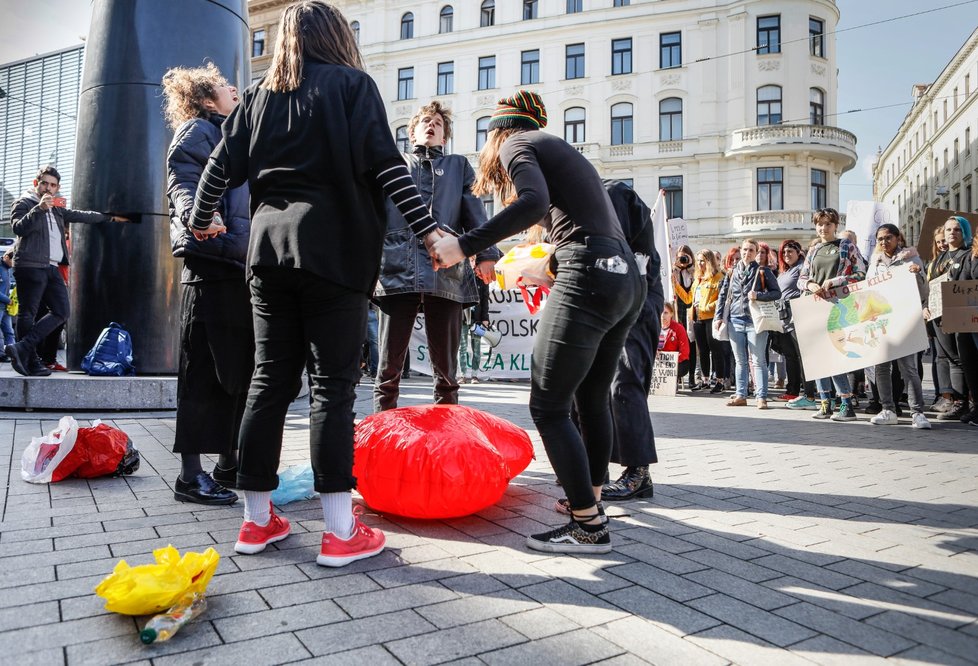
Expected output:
(832, 143)
(768, 223)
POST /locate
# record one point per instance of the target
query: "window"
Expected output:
(769, 105)
(405, 83)
(770, 186)
(967, 141)
(446, 78)
(670, 50)
(957, 201)
(445, 19)
(529, 9)
(574, 119)
(402, 140)
(621, 124)
(574, 6)
(622, 3)
(574, 68)
(945, 110)
(819, 188)
(530, 69)
(487, 72)
(816, 107)
(407, 26)
(816, 33)
(257, 43)
(967, 85)
(621, 56)
(673, 187)
(355, 27)
(945, 159)
(487, 16)
(671, 119)
(956, 149)
(955, 105)
(967, 198)
(481, 131)
(769, 34)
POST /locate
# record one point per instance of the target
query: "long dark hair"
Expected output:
(782, 266)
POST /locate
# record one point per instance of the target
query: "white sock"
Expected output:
(257, 507)
(338, 513)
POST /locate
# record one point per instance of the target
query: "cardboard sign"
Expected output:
(664, 373)
(934, 218)
(860, 325)
(960, 306)
(935, 299)
(865, 217)
(678, 233)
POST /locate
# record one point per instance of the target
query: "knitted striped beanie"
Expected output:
(524, 110)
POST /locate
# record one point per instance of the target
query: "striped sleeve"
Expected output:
(398, 185)
(213, 184)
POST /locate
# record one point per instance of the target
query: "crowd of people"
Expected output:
(715, 298)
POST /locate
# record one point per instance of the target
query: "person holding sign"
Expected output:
(706, 289)
(673, 338)
(831, 263)
(891, 253)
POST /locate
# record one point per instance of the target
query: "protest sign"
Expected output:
(859, 325)
(863, 218)
(664, 373)
(660, 231)
(935, 298)
(960, 306)
(934, 218)
(510, 359)
(678, 233)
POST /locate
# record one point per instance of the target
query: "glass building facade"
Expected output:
(38, 114)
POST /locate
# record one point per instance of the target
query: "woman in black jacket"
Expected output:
(217, 344)
(313, 142)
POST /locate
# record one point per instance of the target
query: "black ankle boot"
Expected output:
(634, 482)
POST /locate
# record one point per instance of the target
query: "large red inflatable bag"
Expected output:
(511, 441)
(427, 461)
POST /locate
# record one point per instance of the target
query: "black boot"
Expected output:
(633, 482)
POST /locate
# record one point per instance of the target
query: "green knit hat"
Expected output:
(524, 110)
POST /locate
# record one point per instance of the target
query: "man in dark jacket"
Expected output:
(408, 283)
(38, 219)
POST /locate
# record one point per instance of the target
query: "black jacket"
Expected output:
(635, 218)
(192, 144)
(30, 224)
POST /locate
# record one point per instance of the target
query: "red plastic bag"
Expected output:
(435, 461)
(70, 451)
(98, 452)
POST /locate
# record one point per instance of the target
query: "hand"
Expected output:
(215, 229)
(47, 201)
(486, 271)
(914, 268)
(447, 252)
(429, 242)
(927, 314)
(752, 295)
(119, 218)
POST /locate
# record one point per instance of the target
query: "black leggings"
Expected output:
(703, 330)
(575, 352)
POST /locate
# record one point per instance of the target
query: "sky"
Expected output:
(877, 64)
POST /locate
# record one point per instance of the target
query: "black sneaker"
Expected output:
(971, 416)
(19, 360)
(571, 538)
(845, 413)
(824, 410)
(633, 482)
(874, 407)
(959, 409)
(717, 388)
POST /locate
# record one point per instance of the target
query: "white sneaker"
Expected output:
(885, 417)
(920, 421)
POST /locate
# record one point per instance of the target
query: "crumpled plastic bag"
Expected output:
(295, 483)
(148, 589)
(70, 451)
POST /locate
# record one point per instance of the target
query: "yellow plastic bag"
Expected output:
(151, 588)
(528, 261)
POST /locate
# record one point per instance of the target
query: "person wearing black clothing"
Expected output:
(596, 297)
(470, 347)
(313, 143)
(217, 340)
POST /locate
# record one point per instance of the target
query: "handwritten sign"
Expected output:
(864, 217)
(935, 300)
(678, 233)
(664, 373)
(960, 306)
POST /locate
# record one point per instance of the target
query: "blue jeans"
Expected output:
(842, 386)
(744, 339)
(7, 329)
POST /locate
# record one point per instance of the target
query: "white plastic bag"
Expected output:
(44, 454)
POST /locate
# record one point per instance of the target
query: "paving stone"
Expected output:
(314, 590)
(455, 643)
(539, 623)
(957, 599)
(371, 630)
(375, 655)
(475, 583)
(924, 654)
(830, 652)
(61, 634)
(655, 645)
(279, 620)
(743, 648)
(666, 561)
(420, 573)
(126, 648)
(581, 607)
(662, 582)
(472, 609)
(805, 571)
(255, 580)
(576, 647)
(928, 633)
(29, 616)
(885, 578)
(854, 632)
(280, 649)
(678, 618)
(738, 588)
(394, 599)
(886, 598)
(752, 620)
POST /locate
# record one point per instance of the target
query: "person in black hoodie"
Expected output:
(313, 143)
(217, 341)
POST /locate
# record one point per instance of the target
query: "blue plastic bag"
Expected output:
(295, 483)
(112, 354)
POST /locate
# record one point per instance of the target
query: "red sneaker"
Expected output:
(253, 538)
(55, 367)
(363, 543)
(785, 397)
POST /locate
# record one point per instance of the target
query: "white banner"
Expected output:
(510, 359)
(864, 217)
(660, 229)
(678, 233)
(664, 373)
(860, 325)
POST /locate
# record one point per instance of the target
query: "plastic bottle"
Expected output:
(162, 627)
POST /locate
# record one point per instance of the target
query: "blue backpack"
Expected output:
(112, 354)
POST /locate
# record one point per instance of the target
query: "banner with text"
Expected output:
(864, 217)
(860, 325)
(960, 300)
(664, 373)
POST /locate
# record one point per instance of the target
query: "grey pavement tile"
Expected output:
(471, 609)
(643, 534)
(928, 633)
(29, 594)
(727, 546)
(278, 620)
(54, 557)
(101, 538)
(279, 596)
(255, 580)
(507, 568)
(45, 657)
(76, 608)
(751, 571)
(854, 632)
(655, 645)
(594, 575)
(26, 576)
(622, 660)
(61, 533)
(237, 603)
(394, 599)
(739, 588)
(375, 655)
(362, 632)
(949, 579)
(680, 619)
(29, 616)
(421, 572)
(830, 652)
(65, 633)
(143, 549)
(15, 548)
(837, 601)
(576, 647)
(805, 571)
(887, 598)
(474, 584)
(743, 648)
(456, 643)
(924, 654)
(539, 623)
(957, 599)
(579, 606)
(663, 582)
(658, 558)
(753, 620)
(885, 578)
(99, 516)
(121, 649)
(280, 649)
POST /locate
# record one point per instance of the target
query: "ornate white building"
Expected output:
(722, 103)
(933, 159)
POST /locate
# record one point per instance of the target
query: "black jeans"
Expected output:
(951, 372)
(575, 352)
(302, 320)
(37, 287)
(442, 325)
(709, 348)
(792, 361)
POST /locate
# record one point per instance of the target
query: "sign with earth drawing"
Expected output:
(859, 325)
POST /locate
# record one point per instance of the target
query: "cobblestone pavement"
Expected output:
(771, 539)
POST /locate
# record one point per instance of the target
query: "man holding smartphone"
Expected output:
(38, 219)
